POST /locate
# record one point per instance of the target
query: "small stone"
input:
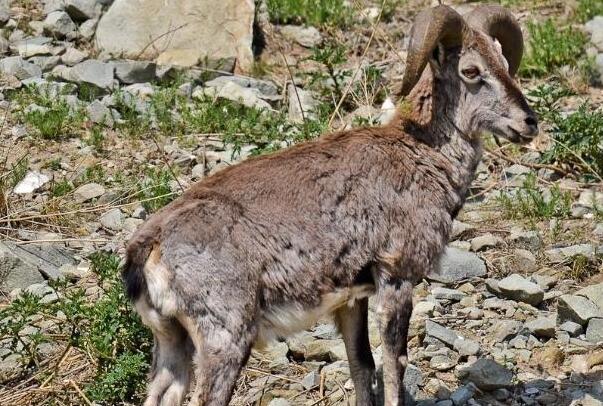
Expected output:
(113, 219)
(518, 288)
(58, 24)
(19, 68)
(88, 192)
(302, 104)
(557, 255)
(279, 402)
(311, 380)
(231, 91)
(442, 333)
(305, 36)
(139, 213)
(448, 294)
(577, 309)
(100, 114)
(442, 362)
(574, 329)
(594, 331)
(88, 28)
(466, 347)
(33, 181)
(542, 327)
(92, 72)
(505, 329)
(484, 241)
(73, 56)
(130, 72)
(516, 170)
(457, 265)
(459, 228)
(487, 375)
(43, 291)
(530, 240)
(462, 395)
(424, 308)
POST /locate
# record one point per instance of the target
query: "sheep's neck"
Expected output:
(433, 117)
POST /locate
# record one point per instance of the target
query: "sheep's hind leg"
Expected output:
(172, 359)
(221, 354)
(394, 308)
(352, 322)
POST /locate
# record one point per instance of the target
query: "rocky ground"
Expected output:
(91, 144)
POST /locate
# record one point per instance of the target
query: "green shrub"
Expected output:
(106, 329)
(587, 9)
(550, 47)
(529, 202)
(155, 189)
(311, 12)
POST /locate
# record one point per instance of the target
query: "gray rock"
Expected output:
(302, 104)
(265, 87)
(16, 273)
(595, 28)
(573, 329)
(530, 240)
(485, 241)
(47, 258)
(594, 293)
(82, 10)
(505, 329)
(310, 380)
(231, 91)
(577, 309)
(462, 395)
(487, 375)
(413, 378)
(58, 24)
(557, 255)
(92, 72)
(73, 56)
(100, 114)
(459, 228)
(199, 30)
(443, 362)
(129, 72)
(113, 219)
(599, 65)
(139, 213)
(442, 333)
(466, 347)
(20, 68)
(88, 28)
(594, 331)
(518, 288)
(43, 291)
(279, 402)
(88, 192)
(542, 327)
(458, 265)
(448, 294)
(516, 170)
(305, 36)
(45, 63)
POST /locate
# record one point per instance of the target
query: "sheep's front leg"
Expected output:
(394, 307)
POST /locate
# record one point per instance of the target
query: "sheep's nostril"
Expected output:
(531, 121)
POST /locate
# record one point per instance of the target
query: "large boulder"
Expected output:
(183, 32)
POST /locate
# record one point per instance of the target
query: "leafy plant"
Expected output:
(155, 189)
(312, 12)
(588, 9)
(551, 47)
(49, 121)
(106, 329)
(534, 204)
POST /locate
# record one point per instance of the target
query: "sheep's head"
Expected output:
(474, 58)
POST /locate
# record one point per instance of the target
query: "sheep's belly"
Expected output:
(292, 318)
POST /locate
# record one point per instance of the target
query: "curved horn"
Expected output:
(500, 23)
(440, 24)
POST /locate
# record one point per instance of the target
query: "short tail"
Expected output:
(137, 252)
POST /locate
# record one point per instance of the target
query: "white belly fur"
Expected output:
(289, 319)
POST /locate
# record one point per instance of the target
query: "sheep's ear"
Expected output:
(437, 59)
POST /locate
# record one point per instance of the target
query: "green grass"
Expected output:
(318, 13)
(551, 46)
(529, 202)
(577, 137)
(587, 9)
(155, 189)
(106, 329)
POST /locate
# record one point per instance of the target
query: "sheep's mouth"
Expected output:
(513, 135)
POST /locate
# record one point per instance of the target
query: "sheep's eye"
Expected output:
(471, 72)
